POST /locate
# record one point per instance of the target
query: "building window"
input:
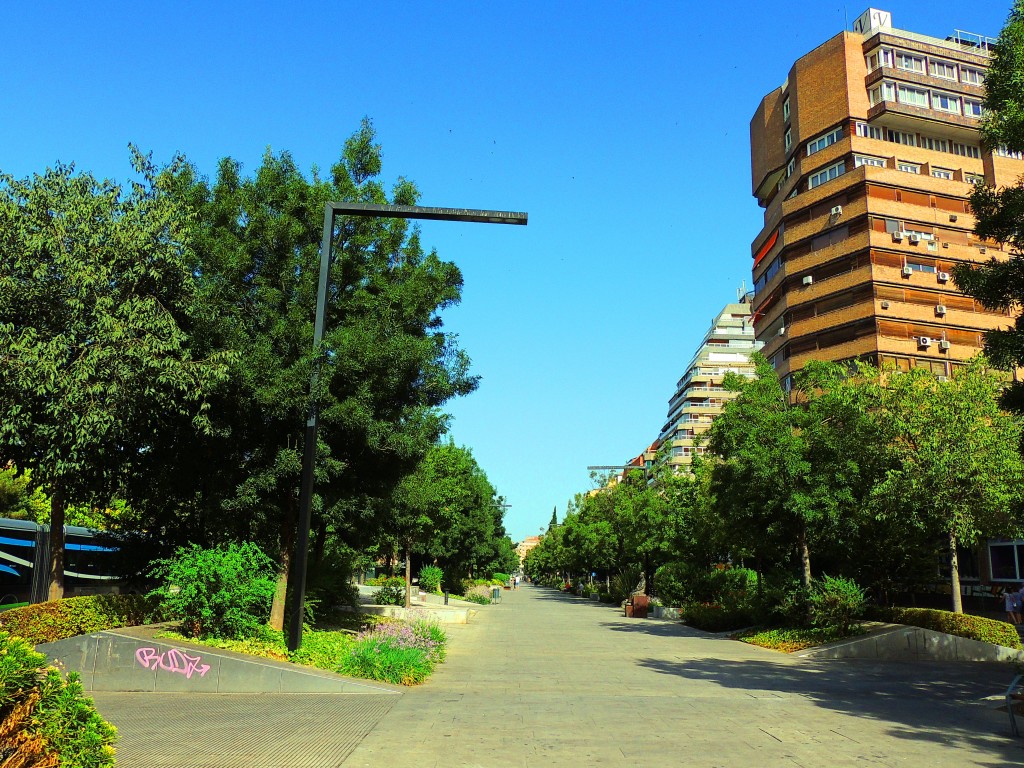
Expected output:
(972, 76)
(908, 167)
(973, 178)
(790, 167)
(1007, 560)
(939, 145)
(942, 173)
(1002, 151)
(972, 108)
(909, 63)
(785, 109)
(826, 174)
(859, 160)
(965, 150)
(788, 139)
(913, 96)
(884, 91)
(869, 131)
(942, 69)
(818, 144)
(880, 57)
(901, 137)
(944, 102)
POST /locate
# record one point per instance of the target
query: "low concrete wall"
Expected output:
(898, 641)
(122, 661)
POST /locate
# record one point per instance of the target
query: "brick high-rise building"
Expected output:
(863, 160)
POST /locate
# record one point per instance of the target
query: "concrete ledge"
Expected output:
(899, 641)
(124, 661)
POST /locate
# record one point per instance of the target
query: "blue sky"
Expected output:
(622, 128)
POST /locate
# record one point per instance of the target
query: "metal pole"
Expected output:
(298, 599)
(309, 447)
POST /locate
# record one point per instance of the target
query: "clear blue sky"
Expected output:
(622, 128)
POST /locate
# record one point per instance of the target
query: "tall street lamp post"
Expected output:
(331, 211)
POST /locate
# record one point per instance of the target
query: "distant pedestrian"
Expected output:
(515, 582)
(1011, 601)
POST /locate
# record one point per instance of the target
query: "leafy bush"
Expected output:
(500, 578)
(604, 597)
(712, 617)
(836, 603)
(220, 592)
(58, 619)
(399, 654)
(392, 592)
(44, 719)
(330, 582)
(377, 581)
(959, 624)
(670, 583)
(477, 598)
(430, 578)
(624, 582)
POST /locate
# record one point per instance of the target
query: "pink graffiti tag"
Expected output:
(174, 660)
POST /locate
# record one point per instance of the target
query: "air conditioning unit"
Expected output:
(837, 210)
(808, 279)
(782, 331)
(983, 250)
(943, 344)
(908, 271)
(942, 378)
(940, 309)
(924, 342)
(914, 238)
(885, 305)
(897, 237)
(943, 277)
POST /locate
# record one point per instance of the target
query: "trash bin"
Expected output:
(640, 605)
(495, 594)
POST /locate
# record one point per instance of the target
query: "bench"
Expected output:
(1014, 694)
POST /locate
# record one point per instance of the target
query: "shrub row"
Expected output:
(56, 620)
(712, 617)
(46, 721)
(959, 624)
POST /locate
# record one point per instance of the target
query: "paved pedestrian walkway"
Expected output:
(551, 680)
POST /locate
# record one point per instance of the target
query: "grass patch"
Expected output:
(388, 650)
(792, 639)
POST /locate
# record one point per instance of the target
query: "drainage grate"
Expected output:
(239, 730)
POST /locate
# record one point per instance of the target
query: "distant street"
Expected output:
(550, 680)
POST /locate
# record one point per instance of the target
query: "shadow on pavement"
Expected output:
(923, 701)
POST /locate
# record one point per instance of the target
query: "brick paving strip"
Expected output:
(549, 680)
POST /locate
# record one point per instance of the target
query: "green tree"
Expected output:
(387, 363)
(19, 500)
(97, 291)
(795, 466)
(955, 469)
(999, 213)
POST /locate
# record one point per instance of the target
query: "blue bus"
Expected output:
(89, 562)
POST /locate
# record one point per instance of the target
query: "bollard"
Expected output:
(446, 597)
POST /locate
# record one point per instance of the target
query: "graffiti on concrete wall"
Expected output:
(175, 660)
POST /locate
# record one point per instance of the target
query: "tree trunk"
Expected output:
(954, 575)
(805, 560)
(287, 550)
(57, 506)
(408, 578)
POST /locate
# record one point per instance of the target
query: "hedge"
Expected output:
(45, 720)
(58, 619)
(959, 624)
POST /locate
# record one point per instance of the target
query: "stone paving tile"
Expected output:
(549, 680)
